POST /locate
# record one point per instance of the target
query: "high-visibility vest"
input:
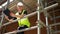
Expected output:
(23, 21)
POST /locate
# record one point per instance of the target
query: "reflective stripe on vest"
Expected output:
(24, 21)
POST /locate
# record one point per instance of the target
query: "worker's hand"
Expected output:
(11, 20)
(19, 16)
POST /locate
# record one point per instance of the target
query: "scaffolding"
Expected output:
(40, 8)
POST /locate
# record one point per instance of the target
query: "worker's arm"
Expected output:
(10, 20)
(22, 15)
(19, 16)
(13, 15)
(6, 17)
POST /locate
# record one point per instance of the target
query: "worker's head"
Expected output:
(20, 6)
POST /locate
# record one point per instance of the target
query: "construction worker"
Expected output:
(23, 23)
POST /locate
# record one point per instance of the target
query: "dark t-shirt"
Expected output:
(7, 13)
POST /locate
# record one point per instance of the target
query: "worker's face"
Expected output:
(20, 8)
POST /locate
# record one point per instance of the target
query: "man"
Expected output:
(23, 23)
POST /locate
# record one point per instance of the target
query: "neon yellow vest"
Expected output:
(24, 21)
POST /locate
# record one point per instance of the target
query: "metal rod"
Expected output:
(55, 11)
(18, 19)
(6, 3)
(46, 18)
(38, 17)
(54, 5)
(54, 24)
(47, 8)
(47, 25)
(52, 1)
(57, 31)
(31, 28)
(50, 30)
(55, 18)
(2, 17)
(33, 13)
